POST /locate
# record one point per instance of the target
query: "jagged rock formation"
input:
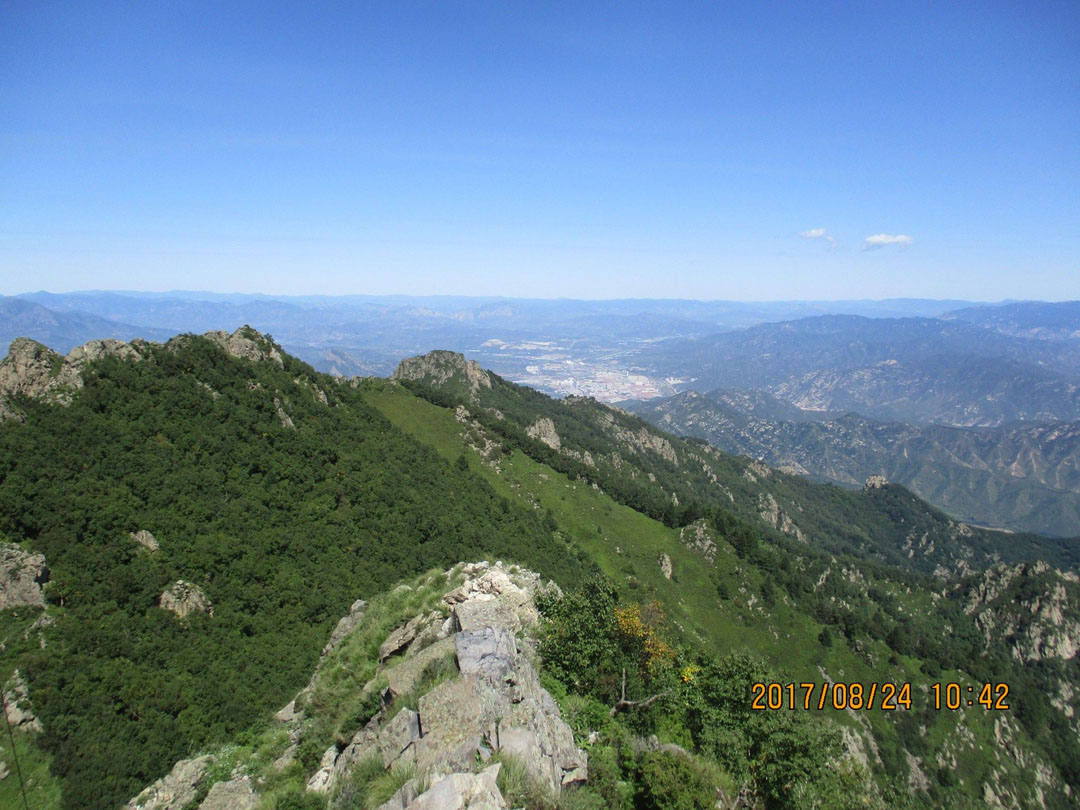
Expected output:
(440, 367)
(36, 371)
(17, 699)
(496, 703)
(183, 598)
(246, 344)
(772, 514)
(665, 565)
(544, 431)
(1031, 605)
(699, 537)
(490, 702)
(22, 573)
(876, 482)
(174, 791)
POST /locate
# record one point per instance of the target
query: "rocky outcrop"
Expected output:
(494, 703)
(544, 431)
(699, 537)
(235, 794)
(36, 371)
(876, 482)
(145, 539)
(665, 565)
(346, 625)
(177, 790)
(183, 598)
(22, 573)
(1030, 605)
(17, 700)
(772, 514)
(439, 367)
(284, 418)
(246, 344)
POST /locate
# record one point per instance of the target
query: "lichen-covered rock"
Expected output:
(183, 598)
(22, 573)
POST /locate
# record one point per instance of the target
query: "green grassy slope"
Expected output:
(627, 545)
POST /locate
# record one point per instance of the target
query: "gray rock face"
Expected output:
(544, 431)
(175, 790)
(183, 598)
(463, 791)
(495, 703)
(17, 697)
(145, 539)
(22, 573)
(665, 565)
(236, 794)
(438, 367)
(244, 343)
(36, 371)
(347, 624)
(699, 537)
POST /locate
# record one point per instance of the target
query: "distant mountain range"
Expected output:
(920, 370)
(1033, 319)
(1023, 476)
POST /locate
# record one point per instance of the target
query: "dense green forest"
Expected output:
(281, 527)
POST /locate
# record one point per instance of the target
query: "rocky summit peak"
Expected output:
(441, 368)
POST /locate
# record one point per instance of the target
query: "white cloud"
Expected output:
(880, 240)
(819, 233)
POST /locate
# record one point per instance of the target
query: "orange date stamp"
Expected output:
(867, 697)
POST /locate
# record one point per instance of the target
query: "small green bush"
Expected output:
(673, 782)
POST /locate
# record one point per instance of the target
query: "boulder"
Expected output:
(145, 539)
(463, 791)
(398, 735)
(22, 573)
(183, 598)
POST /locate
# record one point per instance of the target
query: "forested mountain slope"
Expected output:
(209, 508)
(1022, 476)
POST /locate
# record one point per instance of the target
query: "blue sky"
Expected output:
(699, 150)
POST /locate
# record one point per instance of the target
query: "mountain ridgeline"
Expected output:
(188, 522)
(1021, 476)
(918, 370)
